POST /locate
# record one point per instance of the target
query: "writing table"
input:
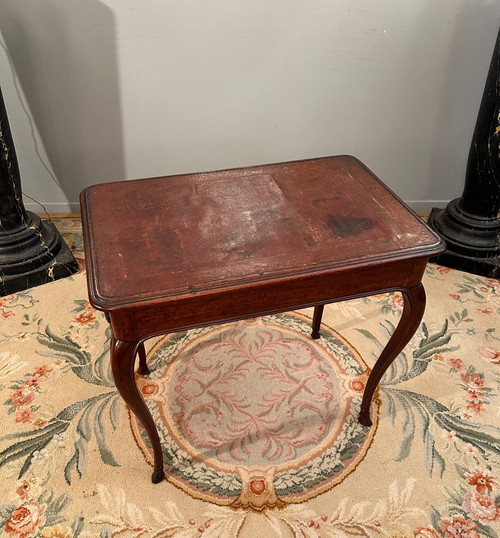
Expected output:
(173, 253)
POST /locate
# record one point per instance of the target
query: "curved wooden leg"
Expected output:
(122, 366)
(316, 324)
(143, 365)
(413, 310)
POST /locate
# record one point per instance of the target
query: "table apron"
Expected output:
(138, 321)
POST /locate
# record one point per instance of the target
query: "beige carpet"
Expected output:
(257, 421)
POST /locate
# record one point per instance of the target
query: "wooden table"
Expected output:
(172, 253)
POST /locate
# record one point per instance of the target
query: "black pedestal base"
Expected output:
(489, 267)
(32, 256)
(464, 255)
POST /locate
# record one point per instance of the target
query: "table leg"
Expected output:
(413, 310)
(316, 324)
(122, 366)
(143, 365)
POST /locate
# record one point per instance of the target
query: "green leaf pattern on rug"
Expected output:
(93, 411)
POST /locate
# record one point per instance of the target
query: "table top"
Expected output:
(162, 237)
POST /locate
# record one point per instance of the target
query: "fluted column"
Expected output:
(32, 251)
(470, 225)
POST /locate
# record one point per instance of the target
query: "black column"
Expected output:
(470, 225)
(32, 251)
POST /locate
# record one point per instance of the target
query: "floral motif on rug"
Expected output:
(256, 413)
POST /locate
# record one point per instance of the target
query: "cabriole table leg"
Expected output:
(413, 310)
(122, 365)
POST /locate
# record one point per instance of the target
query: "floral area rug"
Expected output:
(258, 422)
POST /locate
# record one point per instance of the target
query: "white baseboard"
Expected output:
(425, 206)
(62, 207)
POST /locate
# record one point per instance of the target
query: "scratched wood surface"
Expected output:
(177, 235)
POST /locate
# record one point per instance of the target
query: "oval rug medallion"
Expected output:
(256, 413)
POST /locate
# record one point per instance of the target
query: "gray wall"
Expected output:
(106, 90)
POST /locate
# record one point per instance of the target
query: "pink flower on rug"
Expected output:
(455, 296)
(28, 489)
(396, 301)
(481, 507)
(7, 314)
(426, 532)
(85, 318)
(476, 407)
(458, 364)
(443, 270)
(88, 307)
(33, 381)
(24, 416)
(481, 479)
(483, 289)
(473, 381)
(25, 521)
(42, 370)
(23, 491)
(495, 290)
(490, 353)
(7, 299)
(357, 385)
(458, 527)
(22, 396)
(485, 310)
(150, 388)
(475, 396)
